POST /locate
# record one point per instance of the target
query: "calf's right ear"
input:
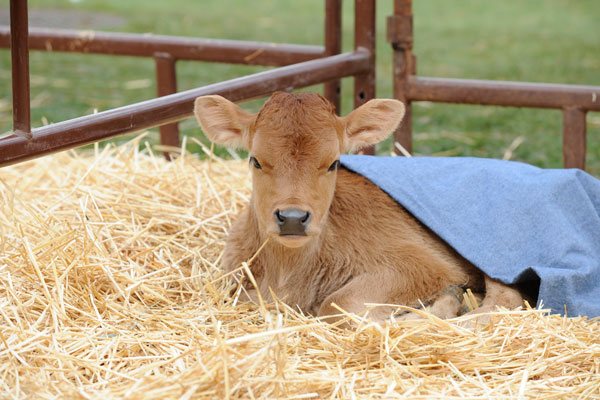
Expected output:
(222, 121)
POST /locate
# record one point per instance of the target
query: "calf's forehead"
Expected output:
(297, 125)
(308, 145)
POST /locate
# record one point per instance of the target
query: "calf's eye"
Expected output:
(255, 163)
(335, 165)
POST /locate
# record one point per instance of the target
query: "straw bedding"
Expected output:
(110, 288)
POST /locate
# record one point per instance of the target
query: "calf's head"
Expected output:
(295, 142)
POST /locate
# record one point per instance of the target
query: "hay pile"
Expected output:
(109, 288)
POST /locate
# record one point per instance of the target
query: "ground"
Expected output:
(534, 40)
(110, 289)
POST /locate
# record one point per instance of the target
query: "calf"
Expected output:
(333, 237)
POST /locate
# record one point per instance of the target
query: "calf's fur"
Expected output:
(361, 246)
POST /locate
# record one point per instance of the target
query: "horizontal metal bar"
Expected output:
(180, 48)
(134, 117)
(503, 93)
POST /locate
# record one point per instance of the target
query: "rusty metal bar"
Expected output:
(574, 138)
(166, 83)
(503, 93)
(180, 48)
(133, 117)
(333, 45)
(364, 38)
(19, 26)
(400, 36)
(574, 100)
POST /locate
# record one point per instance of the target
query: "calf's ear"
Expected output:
(222, 121)
(372, 122)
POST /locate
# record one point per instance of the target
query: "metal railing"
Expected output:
(300, 66)
(574, 100)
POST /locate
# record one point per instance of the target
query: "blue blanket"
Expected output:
(512, 220)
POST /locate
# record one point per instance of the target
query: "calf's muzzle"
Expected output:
(292, 221)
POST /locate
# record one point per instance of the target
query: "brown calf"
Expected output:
(334, 237)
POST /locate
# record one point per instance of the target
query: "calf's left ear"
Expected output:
(372, 122)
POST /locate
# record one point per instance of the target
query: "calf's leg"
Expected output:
(385, 287)
(447, 305)
(367, 288)
(421, 277)
(497, 294)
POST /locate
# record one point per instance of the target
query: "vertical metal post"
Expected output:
(574, 138)
(166, 83)
(364, 38)
(333, 45)
(19, 50)
(400, 35)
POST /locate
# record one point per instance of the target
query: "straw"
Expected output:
(110, 288)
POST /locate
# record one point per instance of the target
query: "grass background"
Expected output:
(530, 40)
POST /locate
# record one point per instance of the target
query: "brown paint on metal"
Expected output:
(166, 83)
(575, 100)
(574, 138)
(180, 48)
(400, 25)
(503, 93)
(333, 45)
(171, 108)
(364, 38)
(19, 25)
(400, 36)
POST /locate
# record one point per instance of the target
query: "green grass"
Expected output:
(529, 40)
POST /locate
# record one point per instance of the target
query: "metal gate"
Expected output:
(299, 66)
(574, 100)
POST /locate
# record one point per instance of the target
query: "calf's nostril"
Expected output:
(280, 219)
(306, 218)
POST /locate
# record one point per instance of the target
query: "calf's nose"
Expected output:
(292, 221)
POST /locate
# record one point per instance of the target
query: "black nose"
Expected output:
(292, 221)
